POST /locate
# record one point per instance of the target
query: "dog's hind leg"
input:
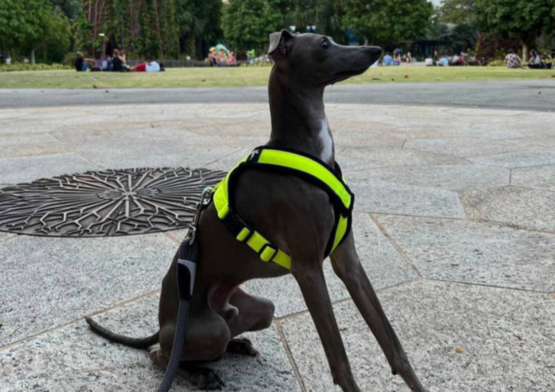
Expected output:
(254, 314)
(346, 265)
(207, 339)
(201, 377)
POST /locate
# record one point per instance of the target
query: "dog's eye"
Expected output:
(325, 44)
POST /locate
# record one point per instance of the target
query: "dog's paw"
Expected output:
(205, 379)
(242, 346)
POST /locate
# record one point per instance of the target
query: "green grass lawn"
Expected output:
(250, 76)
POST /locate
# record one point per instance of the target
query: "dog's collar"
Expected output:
(289, 162)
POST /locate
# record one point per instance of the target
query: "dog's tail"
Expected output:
(141, 343)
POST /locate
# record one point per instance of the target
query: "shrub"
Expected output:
(69, 59)
(31, 67)
(497, 63)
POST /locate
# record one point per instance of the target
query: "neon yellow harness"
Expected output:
(288, 162)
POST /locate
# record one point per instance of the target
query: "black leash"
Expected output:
(186, 272)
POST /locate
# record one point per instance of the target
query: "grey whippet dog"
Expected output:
(295, 215)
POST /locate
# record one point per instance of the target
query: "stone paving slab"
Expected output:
(73, 358)
(18, 139)
(229, 161)
(348, 138)
(383, 264)
(390, 198)
(534, 177)
(372, 157)
(523, 207)
(181, 136)
(123, 154)
(26, 150)
(515, 160)
(448, 177)
(536, 143)
(51, 283)
(46, 282)
(82, 134)
(27, 169)
(492, 133)
(506, 338)
(462, 147)
(477, 253)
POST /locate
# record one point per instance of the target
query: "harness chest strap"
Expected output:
(288, 162)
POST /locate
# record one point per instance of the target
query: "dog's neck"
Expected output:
(299, 119)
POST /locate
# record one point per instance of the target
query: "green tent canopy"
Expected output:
(222, 47)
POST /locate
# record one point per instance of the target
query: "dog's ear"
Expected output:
(281, 43)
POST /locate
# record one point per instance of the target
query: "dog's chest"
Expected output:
(326, 141)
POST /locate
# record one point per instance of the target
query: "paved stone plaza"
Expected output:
(454, 222)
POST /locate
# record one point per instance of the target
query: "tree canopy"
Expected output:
(28, 26)
(178, 28)
(248, 23)
(386, 22)
(458, 12)
(163, 28)
(522, 19)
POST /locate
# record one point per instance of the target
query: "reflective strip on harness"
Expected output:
(256, 241)
(291, 163)
(309, 166)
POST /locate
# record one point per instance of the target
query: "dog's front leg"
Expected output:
(346, 265)
(310, 278)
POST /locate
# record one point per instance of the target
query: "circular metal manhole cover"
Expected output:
(105, 203)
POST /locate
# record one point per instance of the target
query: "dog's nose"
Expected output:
(375, 50)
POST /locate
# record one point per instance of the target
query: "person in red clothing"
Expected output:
(140, 68)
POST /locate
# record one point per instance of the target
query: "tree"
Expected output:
(523, 19)
(164, 28)
(248, 23)
(30, 25)
(51, 26)
(458, 12)
(326, 15)
(70, 8)
(199, 24)
(386, 22)
(19, 22)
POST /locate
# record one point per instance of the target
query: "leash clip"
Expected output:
(204, 202)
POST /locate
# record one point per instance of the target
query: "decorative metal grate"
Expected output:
(105, 203)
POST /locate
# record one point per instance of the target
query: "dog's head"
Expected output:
(316, 60)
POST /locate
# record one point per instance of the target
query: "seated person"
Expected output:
(444, 62)
(387, 60)
(232, 60)
(107, 64)
(212, 57)
(535, 61)
(512, 60)
(221, 58)
(118, 64)
(82, 64)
